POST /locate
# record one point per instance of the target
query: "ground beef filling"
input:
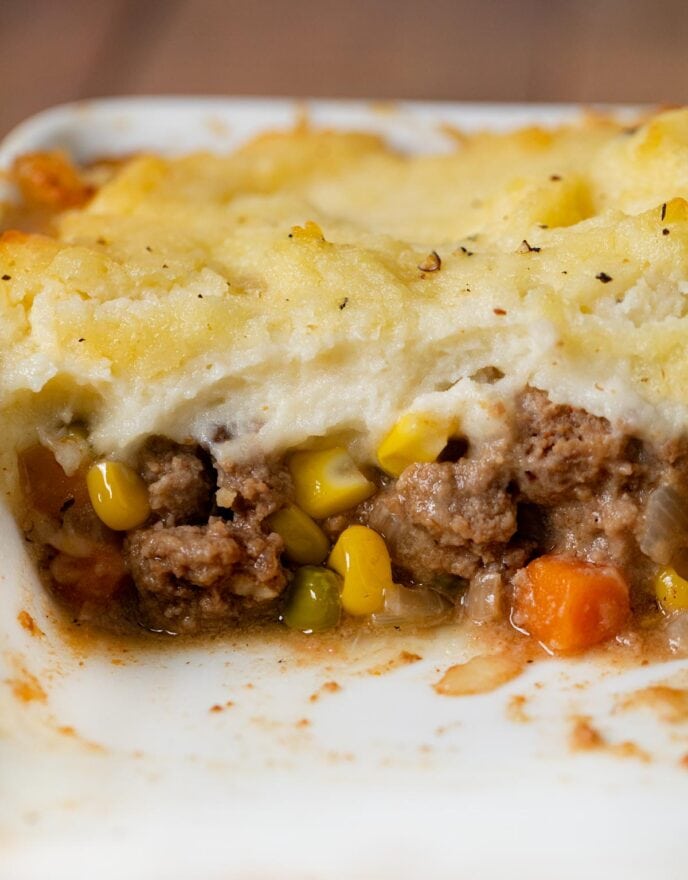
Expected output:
(210, 556)
(565, 482)
(180, 481)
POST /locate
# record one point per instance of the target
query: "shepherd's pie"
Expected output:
(318, 378)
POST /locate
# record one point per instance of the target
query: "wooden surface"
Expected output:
(506, 50)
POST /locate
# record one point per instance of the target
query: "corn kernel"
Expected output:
(415, 437)
(304, 540)
(118, 495)
(671, 590)
(327, 482)
(360, 556)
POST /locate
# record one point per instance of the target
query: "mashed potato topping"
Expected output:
(317, 283)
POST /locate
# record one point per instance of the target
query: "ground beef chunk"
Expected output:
(448, 518)
(588, 482)
(414, 552)
(562, 452)
(600, 530)
(188, 576)
(185, 574)
(255, 490)
(461, 503)
(179, 481)
(203, 556)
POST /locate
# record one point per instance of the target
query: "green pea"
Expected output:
(313, 603)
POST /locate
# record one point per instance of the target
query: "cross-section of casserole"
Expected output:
(319, 378)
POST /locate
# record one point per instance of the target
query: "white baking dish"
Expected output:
(113, 765)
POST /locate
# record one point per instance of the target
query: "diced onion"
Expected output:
(420, 606)
(387, 524)
(480, 675)
(68, 445)
(676, 632)
(483, 601)
(665, 530)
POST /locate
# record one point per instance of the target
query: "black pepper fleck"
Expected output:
(499, 311)
(342, 304)
(525, 248)
(465, 251)
(555, 177)
(665, 231)
(82, 339)
(603, 277)
(6, 277)
(663, 214)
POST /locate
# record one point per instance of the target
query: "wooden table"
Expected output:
(507, 50)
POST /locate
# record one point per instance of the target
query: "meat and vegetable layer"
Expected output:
(564, 529)
(318, 379)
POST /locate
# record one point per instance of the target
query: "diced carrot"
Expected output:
(569, 605)
(49, 491)
(49, 179)
(89, 579)
(45, 485)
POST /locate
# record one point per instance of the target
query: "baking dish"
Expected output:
(232, 758)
